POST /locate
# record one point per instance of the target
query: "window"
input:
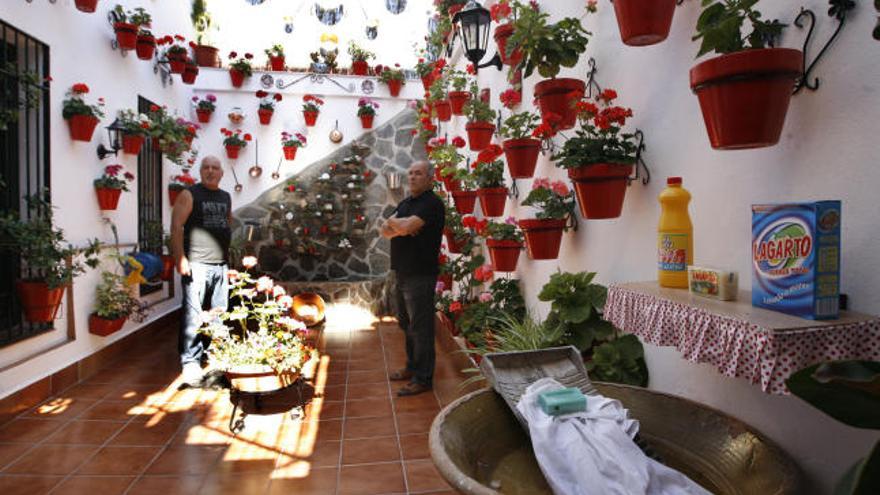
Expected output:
(24, 159)
(149, 199)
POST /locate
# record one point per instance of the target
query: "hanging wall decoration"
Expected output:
(395, 6)
(329, 16)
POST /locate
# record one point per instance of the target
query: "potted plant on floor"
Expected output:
(205, 55)
(110, 185)
(234, 141)
(87, 6)
(643, 23)
(600, 157)
(394, 78)
(311, 109)
(480, 117)
(146, 42)
(459, 96)
(544, 232)
(205, 107)
(124, 27)
(367, 112)
(178, 183)
(359, 59)
(51, 262)
(135, 129)
(520, 147)
(276, 57)
(290, 143)
(504, 241)
(489, 175)
(743, 92)
(114, 303)
(240, 68)
(81, 117)
(267, 105)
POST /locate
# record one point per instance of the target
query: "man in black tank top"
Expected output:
(200, 235)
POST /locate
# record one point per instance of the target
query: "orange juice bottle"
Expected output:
(675, 236)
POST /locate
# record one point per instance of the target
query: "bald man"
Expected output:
(200, 235)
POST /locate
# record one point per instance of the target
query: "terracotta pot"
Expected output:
(126, 35)
(289, 152)
(464, 201)
(204, 115)
(277, 63)
(177, 63)
(502, 33)
(265, 116)
(443, 109)
(104, 327)
(543, 237)
(427, 81)
(437, 170)
(207, 56)
(504, 254)
(600, 189)
(522, 156)
(82, 127)
(167, 267)
(744, 95)
(479, 135)
(360, 67)
(259, 378)
(232, 151)
(446, 278)
(108, 198)
(190, 72)
(452, 244)
(644, 22)
(457, 99)
(556, 96)
(86, 5)
(132, 143)
(394, 87)
(237, 78)
(172, 195)
(492, 201)
(39, 302)
(310, 118)
(146, 47)
(367, 121)
(452, 185)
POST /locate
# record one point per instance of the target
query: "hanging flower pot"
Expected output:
(207, 56)
(600, 189)
(502, 33)
(394, 87)
(644, 22)
(360, 67)
(446, 278)
(453, 244)
(82, 127)
(543, 237)
(289, 152)
(172, 195)
(479, 135)
(232, 151)
(177, 63)
(265, 116)
(237, 77)
(108, 198)
(190, 72)
(104, 327)
(504, 254)
(557, 96)
(492, 200)
(126, 35)
(146, 46)
(310, 118)
(451, 184)
(744, 95)
(132, 143)
(40, 303)
(457, 99)
(88, 6)
(464, 201)
(277, 63)
(522, 156)
(427, 81)
(444, 110)
(204, 116)
(259, 378)
(367, 121)
(167, 267)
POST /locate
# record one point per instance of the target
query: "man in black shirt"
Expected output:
(415, 232)
(200, 235)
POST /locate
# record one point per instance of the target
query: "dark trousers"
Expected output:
(415, 314)
(205, 288)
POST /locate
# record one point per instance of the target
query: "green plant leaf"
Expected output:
(848, 391)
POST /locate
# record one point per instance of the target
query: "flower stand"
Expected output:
(104, 327)
(600, 189)
(108, 198)
(492, 201)
(504, 254)
(39, 302)
(543, 237)
(82, 127)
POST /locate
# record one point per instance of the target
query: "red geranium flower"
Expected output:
(80, 88)
(247, 137)
(277, 97)
(262, 94)
(248, 56)
(458, 142)
(233, 54)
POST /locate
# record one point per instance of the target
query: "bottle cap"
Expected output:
(673, 180)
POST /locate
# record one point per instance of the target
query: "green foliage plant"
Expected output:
(477, 110)
(520, 125)
(358, 53)
(26, 96)
(114, 300)
(275, 51)
(201, 20)
(546, 47)
(488, 174)
(554, 200)
(600, 138)
(503, 231)
(720, 27)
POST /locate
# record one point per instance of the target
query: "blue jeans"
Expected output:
(414, 295)
(204, 288)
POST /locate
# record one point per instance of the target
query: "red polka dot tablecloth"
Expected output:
(761, 346)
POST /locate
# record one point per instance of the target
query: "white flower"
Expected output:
(249, 262)
(328, 206)
(345, 196)
(289, 215)
(324, 176)
(350, 185)
(264, 284)
(354, 177)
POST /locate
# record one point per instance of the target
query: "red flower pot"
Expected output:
(277, 63)
(360, 67)
(207, 56)
(126, 35)
(446, 278)
(190, 72)
(310, 118)
(427, 81)
(394, 87)
(172, 195)
(86, 5)
(167, 267)
(177, 63)
(108, 198)
(492, 200)
(457, 99)
(40, 303)
(452, 185)
(502, 33)
(454, 245)
(104, 327)
(367, 121)
(543, 237)
(146, 46)
(600, 189)
(464, 201)
(644, 22)
(237, 78)
(82, 127)
(522, 156)
(557, 96)
(504, 254)
(443, 109)
(744, 95)
(204, 115)
(132, 143)
(289, 152)
(265, 116)
(232, 151)
(479, 135)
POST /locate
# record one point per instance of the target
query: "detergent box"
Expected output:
(796, 258)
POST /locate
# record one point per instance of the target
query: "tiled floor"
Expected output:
(129, 430)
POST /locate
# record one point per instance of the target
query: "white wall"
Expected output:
(826, 152)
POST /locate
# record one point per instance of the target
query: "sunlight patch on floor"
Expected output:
(343, 317)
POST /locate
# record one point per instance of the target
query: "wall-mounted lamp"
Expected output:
(473, 22)
(114, 133)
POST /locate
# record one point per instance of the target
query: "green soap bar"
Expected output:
(562, 401)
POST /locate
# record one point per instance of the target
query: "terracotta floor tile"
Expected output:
(11, 451)
(205, 435)
(139, 433)
(366, 364)
(62, 408)
(426, 402)
(367, 408)
(85, 432)
(335, 378)
(28, 485)
(369, 427)
(120, 461)
(186, 460)
(371, 479)
(415, 422)
(372, 376)
(333, 392)
(307, 481)
(247, 457)
(323, 454)
(95, 485)
(89, 391)
(368, 391)
(52, 459)
(422, 476)
(112, 410)
(235, 484)
(167, 485)
(369, 450)
(324, 410)
(415, 446)
(27, 430)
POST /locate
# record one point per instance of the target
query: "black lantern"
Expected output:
(473, 22)
(114, 133)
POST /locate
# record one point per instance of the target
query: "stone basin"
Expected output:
(480, 449)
